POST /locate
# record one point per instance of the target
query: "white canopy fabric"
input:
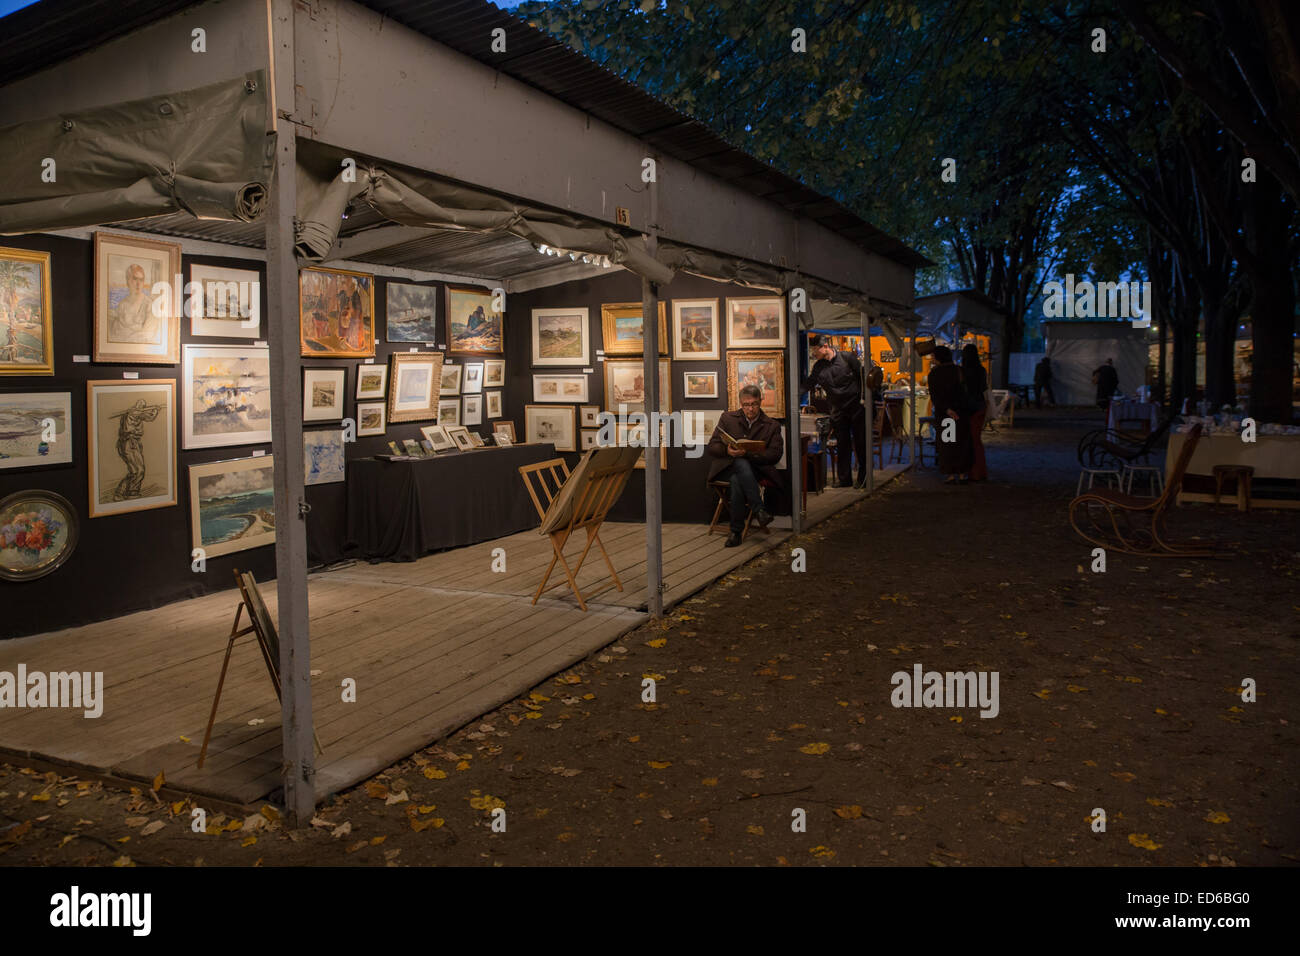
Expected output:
(1079, 348)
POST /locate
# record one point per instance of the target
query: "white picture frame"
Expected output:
(449, 411)
(695, 330)
(225, 303)
(495, 404)
(449, 384)
(225, 395)
(494, 373)
(556, 424)
(472, 384)
(472, 410)
(701, 384)
(437, 436)
(756, 322)
(322, 394)
(324, 461)
(367, 424)
(27, 416)
(560, 388)
(561, 337)
(372, 382)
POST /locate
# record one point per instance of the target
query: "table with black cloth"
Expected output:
(402, 510)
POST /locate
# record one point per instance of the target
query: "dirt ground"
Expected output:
(1118, 690)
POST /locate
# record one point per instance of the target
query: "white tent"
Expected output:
(1078, 348)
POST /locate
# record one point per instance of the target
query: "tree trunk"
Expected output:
(1273, 331)
(1221, 314)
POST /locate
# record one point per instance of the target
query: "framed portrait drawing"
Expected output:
(764, 369)
(700, 384)
(756, 323)
(336, 313)
(561, 337)
(589, 416)
(414, 391)
(27, 346)
(473, 382)
(131, 433)
(474, 327)
(559, 388)
(38, 532)
(322, 394)
(371, 418)
(35, 429)
(436, 435)
(322, 456)
(494, 404)
(449, 384)
(494, 373)
(225, 395)
(410, 313)
(625, 386)
(372, 382)
(551, 423)
(225, 302)
(460, 435)
(623, 328)
(472, 412)
(449, 411)
(232, 505)
(134, 324)
(695, 329)
(504, 428)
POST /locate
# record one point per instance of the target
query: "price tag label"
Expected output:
(259, 454)
(81, 358)
(130, 374)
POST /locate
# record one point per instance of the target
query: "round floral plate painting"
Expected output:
(38, 530)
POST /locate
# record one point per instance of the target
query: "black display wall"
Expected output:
(138, 560)
(686, 496)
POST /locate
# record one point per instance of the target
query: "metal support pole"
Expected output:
(286, 444)
(911, 367)
(654, 543)
(871, 405)
(793, 376)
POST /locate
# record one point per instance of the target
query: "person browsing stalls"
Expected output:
(840, 376)
(742, 467)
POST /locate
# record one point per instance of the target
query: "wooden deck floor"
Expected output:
(431, 644)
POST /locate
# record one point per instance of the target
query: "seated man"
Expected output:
(744, 469)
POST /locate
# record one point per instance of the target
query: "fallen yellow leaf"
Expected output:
(1157, 802)
(657, 642)
(1216, 816)
(710, 781)
(249, 841)
(757, 831)
(40, 797)
(1143, 841)
(1075, 688)
(434, 774)
(487, 803)
(822, 852)
(849, 813)
(463, 765)
(814, 750)
(158, 782)
(660, 764)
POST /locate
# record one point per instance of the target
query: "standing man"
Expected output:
(1043, 382)
(840, 376)
(741, 468)
(1107, 381)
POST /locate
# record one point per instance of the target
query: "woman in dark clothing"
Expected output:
(949, 401)
(975, 381)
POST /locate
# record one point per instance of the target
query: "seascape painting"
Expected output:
(232, 505)
(34, 429)
(695, 329)
(227, 396)
(411, 313)
(756, 323)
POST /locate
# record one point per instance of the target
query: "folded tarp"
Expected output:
(204, 151)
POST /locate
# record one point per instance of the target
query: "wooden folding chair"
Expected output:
(268, 641)
(581, 501)
(1136, 525)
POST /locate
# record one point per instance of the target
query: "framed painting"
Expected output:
(623, 328)
(322, 456)
(473, 382)
(589, 416)
(625, 386)
(472, 412)
(437, 436)
(226, 303)
(225, 395)
(636, 436)
(474, 327)
(494, 373)
(700, 384)
(551, 423)
(695, 329)
(38, 532)
(410, 313)
(477, 440)
(756, 323)
(698, 427)
(449, 411)
(589, 438)
(460, 435)
(322, 394)
(560, 388)
(136, 301)
(131, 431)
(414, 391)
(232, 505)
(561, 337)
(449, 383)
(764, 369)
(35, 429)
(26, 317)
(504, 428)
(494, 404)
(371, 418)
(336, 313)
(372, 382)
(503, 439)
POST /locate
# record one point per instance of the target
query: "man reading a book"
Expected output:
(745, 447)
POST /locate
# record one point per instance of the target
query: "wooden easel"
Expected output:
(268, 641)
(580, 500)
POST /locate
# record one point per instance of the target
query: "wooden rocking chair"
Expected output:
(578, 501)
(1136, 525)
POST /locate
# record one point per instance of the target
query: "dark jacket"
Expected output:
(738, 426)
(975, 382)
(1107, 381)
(841, 377)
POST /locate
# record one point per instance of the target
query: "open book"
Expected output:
(746, 444)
